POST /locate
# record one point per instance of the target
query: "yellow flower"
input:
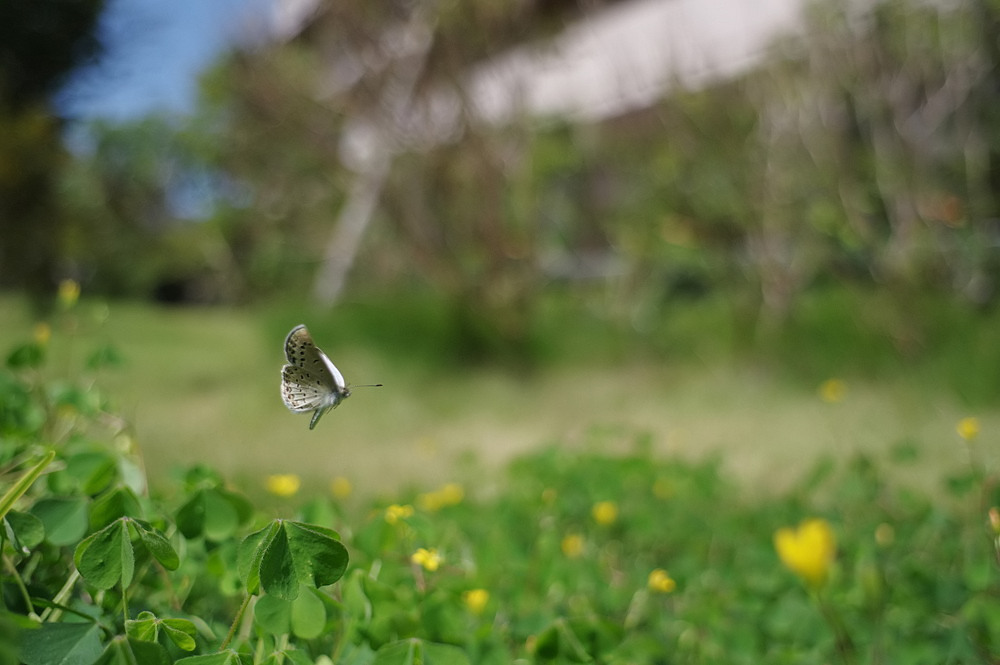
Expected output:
(572, 545)
(475, 600)
(69, 293)
(605, 512)
(968, 428)
(660, 582)
(396, 512)
(449, 495)
(43, 333)
(428, 559)
(807, 551)
(340, 487)
(832, 391)
(283, 484)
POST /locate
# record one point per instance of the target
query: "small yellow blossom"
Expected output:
(449, 495)
(572, 545)
(660, 582)
(475, 600)
(283, 484)
(396, 512)
(69, 293)
(428, 559)
(341, 487)
(43, 333)
(968, 428)
(832, 391)
(605, 512)
(808, 550)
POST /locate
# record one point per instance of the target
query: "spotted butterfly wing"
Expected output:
(310, 381)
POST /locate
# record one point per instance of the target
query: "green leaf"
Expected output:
(308, 615)
(181, 632)
(104, 356)
(24, 529)
(26, 355)
(319, 557)
(157, 544)
(92, 471)
(284, 555)
(147, 629)
(277, 568)
(65, 519)
(228, 657)
(119, 502)
(251, 552)
(560, 640)
(144, 628)
(129, 651)
(418, 652)
(213, 513)
(273, 614)
(106, 557)
(296, 657)
(22, 484)
(61, 644)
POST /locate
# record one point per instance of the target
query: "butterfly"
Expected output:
(310, 381)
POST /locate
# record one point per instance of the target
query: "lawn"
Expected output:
(618, 510)
(201, 385)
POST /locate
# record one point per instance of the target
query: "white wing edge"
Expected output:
(338, 378)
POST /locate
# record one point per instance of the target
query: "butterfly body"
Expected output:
(310, 381)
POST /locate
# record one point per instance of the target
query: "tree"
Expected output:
(41, 42)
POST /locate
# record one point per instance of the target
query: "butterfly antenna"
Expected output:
(368, 385)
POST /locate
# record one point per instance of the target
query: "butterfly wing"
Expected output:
(302, 390)
(302, 352)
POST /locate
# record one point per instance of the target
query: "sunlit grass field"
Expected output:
(201, 385)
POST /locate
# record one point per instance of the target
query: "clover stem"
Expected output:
(236, 622)
(842, 638)
(20, 585)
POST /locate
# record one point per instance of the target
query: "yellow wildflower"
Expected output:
(572, 545)
(968, 428)
(475, 600)
(43, 333)
(605, 512)
(807, 551)
(660, 582)
(449, 495)
(396, 512)
(832, 391)
(428, 559)
(283, 484)
(341, 487)
(69, 293)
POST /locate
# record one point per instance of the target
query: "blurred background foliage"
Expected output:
(860, 158)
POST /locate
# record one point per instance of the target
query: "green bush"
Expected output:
(573, 558)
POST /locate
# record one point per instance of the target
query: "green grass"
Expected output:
(584, 482)
(201, 385)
